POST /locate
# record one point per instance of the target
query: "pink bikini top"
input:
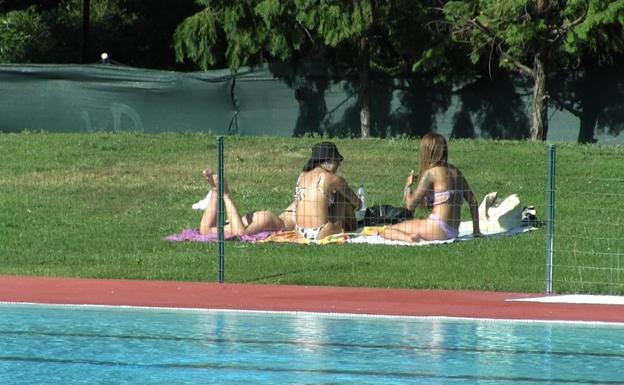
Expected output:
(437, 198)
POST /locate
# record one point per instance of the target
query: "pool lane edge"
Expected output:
(303, 299)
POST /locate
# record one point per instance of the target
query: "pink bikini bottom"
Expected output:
(449, 231)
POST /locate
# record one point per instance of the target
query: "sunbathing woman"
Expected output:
(252, 223)
(442, 188)
(325, 204)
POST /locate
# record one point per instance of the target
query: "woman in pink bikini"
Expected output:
(442, 188)
(324, 202)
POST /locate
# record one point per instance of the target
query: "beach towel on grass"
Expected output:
(366, 235)
(193, 235)
(497, 217)
(369, 235)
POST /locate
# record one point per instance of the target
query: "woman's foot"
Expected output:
(209, 176)
(398, 235)
(215, 178)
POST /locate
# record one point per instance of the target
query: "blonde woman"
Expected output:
(324, 202)
(442, 188)
(250, 224)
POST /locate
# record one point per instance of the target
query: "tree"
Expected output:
(593, 94)
(593, 91)
(255, 31)
(22, 36)
(346, 23)
(372, 36)
(134, 32)
(238, 33)
(495, 105)
(533, 37)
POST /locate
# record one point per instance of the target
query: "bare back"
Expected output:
(314, 194)
(443, 190)
(449, 179)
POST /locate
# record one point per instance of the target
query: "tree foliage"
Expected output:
(369, 38)
(23, 36)
(238, 33)
(379, 51)
(535, 37)
(131, 31)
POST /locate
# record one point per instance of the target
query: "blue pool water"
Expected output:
(87, 345)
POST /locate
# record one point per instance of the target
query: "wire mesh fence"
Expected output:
(286, 186)
(100, 205)
(588, 222)
(582, 234)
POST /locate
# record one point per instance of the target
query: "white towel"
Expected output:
(465, 233)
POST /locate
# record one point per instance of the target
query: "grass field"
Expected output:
(99, 205)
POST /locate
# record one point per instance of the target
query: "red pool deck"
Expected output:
(401, 302)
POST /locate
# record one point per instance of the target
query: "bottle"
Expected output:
(361, 193)
(361, 213)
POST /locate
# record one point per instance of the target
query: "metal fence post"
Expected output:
(220, 213)
(550, 219)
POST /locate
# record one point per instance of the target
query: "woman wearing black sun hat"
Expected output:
(324, 202)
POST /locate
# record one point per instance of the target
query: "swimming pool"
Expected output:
(92, 345)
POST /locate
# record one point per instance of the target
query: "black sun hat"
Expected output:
(325, 151)
(321, 152)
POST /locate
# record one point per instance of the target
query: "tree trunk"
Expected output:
(593, 97)
(84, 54)
(539, 130)
(588, 119)
(365, 97)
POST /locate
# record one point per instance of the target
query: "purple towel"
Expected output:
(193, 235)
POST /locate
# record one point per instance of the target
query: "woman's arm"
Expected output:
(416, 197)
(473, 205)
(343, 188)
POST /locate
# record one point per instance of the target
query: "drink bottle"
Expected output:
(361, 193)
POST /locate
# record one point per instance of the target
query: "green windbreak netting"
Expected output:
(268, 100)
(73, 98)
(284, 100)
(265, 105)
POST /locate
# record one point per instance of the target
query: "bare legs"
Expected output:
(414, 230)
(253, 223)
(209, 219)
(208, 223)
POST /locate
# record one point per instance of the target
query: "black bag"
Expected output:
(386, 215)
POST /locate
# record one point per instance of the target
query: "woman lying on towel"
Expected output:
(250, 224)
(442, 188)
(325, 204)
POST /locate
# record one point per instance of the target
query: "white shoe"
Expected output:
(203, 204)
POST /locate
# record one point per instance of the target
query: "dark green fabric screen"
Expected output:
(276, 99)
(93, 98)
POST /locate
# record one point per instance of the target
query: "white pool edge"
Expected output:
(316, 314)
(587, 299)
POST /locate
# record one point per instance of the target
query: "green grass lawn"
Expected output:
(99, 205)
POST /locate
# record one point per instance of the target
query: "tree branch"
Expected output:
(580, 19)
(307, 32)
(522, 67)
(494, 37)
(559, 33)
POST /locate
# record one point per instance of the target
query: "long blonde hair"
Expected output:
(433, 152)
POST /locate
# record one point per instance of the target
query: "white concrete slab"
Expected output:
(577, 298)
